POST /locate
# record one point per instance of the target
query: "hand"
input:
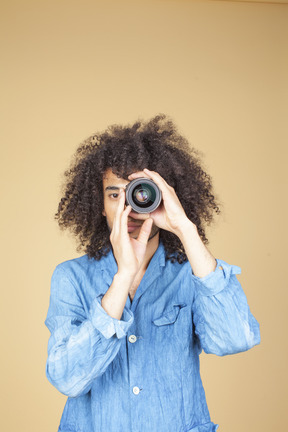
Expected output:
(170, 215)
(129, 252)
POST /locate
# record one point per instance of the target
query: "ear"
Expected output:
(103, 213)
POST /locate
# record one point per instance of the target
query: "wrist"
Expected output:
(125, 277)
(186, 230)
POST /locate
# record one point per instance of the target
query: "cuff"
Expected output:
(217, 280)
(107, 325)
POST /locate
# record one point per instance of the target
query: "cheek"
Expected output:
(107, 208)
(109, 211)
(109, 221)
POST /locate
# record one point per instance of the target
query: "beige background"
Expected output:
(219, 69)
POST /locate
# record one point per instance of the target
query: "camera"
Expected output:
(143, 195)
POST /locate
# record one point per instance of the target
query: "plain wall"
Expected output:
(219, 69)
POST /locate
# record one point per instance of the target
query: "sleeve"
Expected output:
(222, 318)
(80, 347)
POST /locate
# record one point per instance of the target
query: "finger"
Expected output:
(116, 221)
(124, 220)
(156, 177)
(145, 231)
(139, 216)
(137, 174)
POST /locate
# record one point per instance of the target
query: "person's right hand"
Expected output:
(129, 252)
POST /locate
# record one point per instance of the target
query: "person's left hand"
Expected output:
(170, 215)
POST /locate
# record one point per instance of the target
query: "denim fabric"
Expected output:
(150, 382)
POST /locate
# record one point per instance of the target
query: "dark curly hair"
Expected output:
(155, 144)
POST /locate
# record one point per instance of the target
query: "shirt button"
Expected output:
(132, 338)
(136, 390)
(220, 267)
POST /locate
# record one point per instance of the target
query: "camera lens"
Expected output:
(143, 195)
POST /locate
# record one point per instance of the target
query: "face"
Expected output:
(112, 185)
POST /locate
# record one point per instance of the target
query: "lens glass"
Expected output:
(144, 195)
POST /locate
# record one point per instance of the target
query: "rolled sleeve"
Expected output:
(107, 325)
(217, 280)
(222, 317)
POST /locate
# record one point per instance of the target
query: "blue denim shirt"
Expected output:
(141, 373)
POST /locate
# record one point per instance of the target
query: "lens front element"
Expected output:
(141, 195)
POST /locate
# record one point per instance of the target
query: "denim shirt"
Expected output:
(141, 373)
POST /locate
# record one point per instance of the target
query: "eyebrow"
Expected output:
(112, 188)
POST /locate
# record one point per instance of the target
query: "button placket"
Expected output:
(133, 372)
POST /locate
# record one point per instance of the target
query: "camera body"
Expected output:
(143, 195)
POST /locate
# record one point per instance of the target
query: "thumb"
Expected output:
(145, 231)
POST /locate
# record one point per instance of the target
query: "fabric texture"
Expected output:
(141, 373)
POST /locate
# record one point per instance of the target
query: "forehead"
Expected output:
(111, 179)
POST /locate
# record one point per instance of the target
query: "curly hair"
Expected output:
(155, 144)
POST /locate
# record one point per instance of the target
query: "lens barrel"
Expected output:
(143, 195)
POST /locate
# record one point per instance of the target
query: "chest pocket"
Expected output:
(169, 315)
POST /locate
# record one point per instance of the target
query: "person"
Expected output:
(130, 317)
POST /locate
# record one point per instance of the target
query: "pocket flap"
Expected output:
(170, 316)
